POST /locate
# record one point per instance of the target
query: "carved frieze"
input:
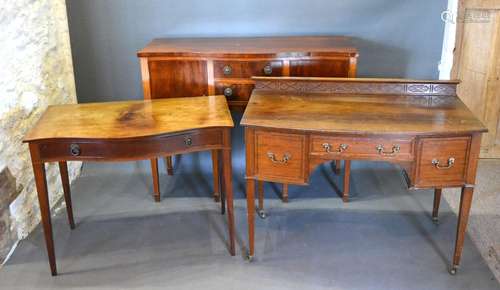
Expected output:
(349, 87)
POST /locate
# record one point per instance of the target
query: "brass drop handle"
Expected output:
(395, 149)
(75, 150)
(284, 160)
(451, 162)
(268, 70)
(328, 148)
(188, 141)
(228, 92)
(227, 70)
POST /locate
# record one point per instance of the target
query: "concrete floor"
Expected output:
(383, 239)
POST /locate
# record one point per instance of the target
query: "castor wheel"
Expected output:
(249, 258)
(453, 270)
(435, 220)
(262, 214)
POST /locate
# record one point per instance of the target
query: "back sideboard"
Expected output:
(187, 67)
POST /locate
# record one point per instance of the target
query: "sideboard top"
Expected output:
(250, 45)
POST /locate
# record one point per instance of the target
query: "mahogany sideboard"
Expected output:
(127, 131)
(294, 124)
(186, 67)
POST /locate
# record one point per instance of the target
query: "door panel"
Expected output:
(477, 65)
(178, 78)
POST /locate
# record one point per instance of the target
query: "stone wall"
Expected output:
(36, 70)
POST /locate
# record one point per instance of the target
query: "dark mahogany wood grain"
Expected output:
(178, 78)
(188, 67)
(319, 67)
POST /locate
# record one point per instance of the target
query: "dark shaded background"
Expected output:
(395, 38)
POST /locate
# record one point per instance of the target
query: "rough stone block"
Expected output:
(8, 188)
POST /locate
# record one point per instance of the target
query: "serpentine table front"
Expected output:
(294, 124)
(127, 131)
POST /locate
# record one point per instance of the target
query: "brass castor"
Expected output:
(453, 270)
(249, 258)
(435, 220)
(262, 214)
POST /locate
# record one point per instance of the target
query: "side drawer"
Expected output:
(442, 161)
(398, 149)
(280, 156)
(247, 69)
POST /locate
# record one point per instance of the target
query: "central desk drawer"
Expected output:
(400, 149)
(247, 69)
(280, 156)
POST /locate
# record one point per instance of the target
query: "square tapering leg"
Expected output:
(170, 167)
(228, 192)
(156, 179)
(63, 170)
(260, 193)
(347, 180)
(463, 218)
(251, 217)
(435, 207)
(284, 193)
(216, 175)
(43, 200)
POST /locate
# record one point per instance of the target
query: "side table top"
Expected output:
(131, 119)
(359, 106)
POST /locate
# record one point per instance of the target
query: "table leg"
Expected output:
(250, 217)
(170, 167)
(215, 166)
(228, 192)
(463, 218)
(156, 179)
(260, 193)
(63, 170)
(337, 166)
(222, 192)
(43, 200)
(284, 195)
(347, 179)
(435, 207)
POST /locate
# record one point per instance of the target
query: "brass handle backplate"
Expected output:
(284, 160)
(227, 70)
(340, 149)
(268, 70)
(188, 141)
(75, 150)
(228, 92)
(451, 162)
(395, 149)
